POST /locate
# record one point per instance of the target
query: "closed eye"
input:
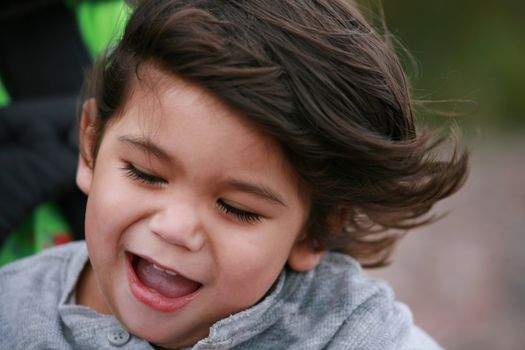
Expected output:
(141, 176)
(239, 214)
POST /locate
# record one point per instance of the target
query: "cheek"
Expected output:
(102, 216)
(249, 270)
(108, 214)
(99, 238)
(245, 286)
(110, 201)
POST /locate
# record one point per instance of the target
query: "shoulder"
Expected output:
(40, 270)
(340, 277)
(349, 310)
(420, 340)
(31, 289)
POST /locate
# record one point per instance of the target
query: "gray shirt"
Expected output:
(330, 307)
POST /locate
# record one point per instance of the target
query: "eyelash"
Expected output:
(242, 215)
(141, 176)
(148, 179)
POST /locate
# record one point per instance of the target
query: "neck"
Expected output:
(87, 291)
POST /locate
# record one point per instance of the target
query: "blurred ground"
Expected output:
(464, 276)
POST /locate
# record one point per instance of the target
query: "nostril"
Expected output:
(178, 226)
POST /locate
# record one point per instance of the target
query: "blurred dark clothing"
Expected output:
(42, 62)
(38, 155)
(42, 53)
(20, 8)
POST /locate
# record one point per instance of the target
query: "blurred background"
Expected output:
(464, 276)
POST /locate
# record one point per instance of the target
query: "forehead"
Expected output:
(164, 103)
(177, 113)
(155, 93)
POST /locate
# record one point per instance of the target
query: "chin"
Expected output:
(157, 331)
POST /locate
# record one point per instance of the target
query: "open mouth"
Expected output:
(159, 287)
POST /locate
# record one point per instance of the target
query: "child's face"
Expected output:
(183, 182)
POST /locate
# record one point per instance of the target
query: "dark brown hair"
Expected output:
(316, 77)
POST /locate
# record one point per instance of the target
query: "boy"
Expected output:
(231, 152)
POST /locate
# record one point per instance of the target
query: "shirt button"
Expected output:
(117, 336)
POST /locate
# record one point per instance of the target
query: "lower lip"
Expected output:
(152, 298)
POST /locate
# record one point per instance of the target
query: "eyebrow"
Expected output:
(149, 147)
(256, 189)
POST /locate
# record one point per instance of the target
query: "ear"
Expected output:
(304, 257)
(86, 140)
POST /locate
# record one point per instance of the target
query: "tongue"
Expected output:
(167, 285)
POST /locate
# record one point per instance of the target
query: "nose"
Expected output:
(179, 224)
